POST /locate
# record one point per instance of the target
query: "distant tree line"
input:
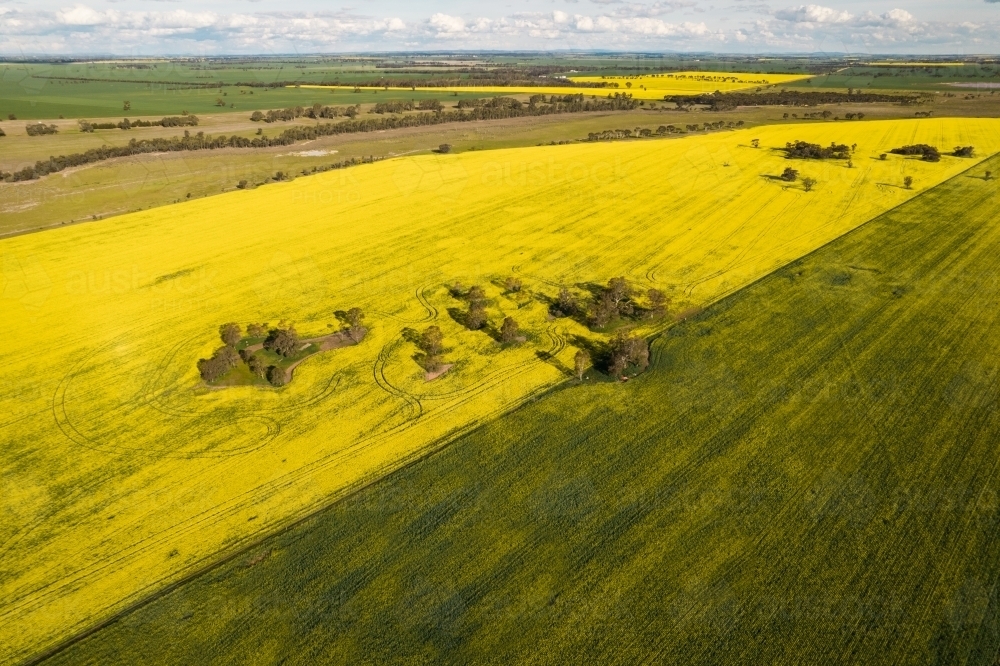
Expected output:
(401, 106)
(201, 141)
(720, 101)
(510, 79)
(179, 84)
(125, 124)
(610, 135)
(316, 111)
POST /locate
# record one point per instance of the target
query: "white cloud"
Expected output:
(447, 24)
(82, 15)
(812, 14)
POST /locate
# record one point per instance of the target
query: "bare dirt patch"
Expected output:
(431, 376)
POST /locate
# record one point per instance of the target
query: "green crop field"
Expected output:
(904, 78)
(809, 474)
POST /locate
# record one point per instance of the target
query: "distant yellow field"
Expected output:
(654, 86)
(121, 473)
(691, 83)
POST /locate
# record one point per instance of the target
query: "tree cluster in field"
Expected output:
(617, 300)
(926, 153)
(315, 111)
(126, 124)
(814, 151)
(201, 141)
(790, 175)
(720, 101)
(964, 151)
(38, 129)
(282, 340)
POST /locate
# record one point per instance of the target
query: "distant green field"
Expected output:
(48, 90)
(29, 92)
(808, 475)
(904, 78)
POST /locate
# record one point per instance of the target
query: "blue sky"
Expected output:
(156, 27)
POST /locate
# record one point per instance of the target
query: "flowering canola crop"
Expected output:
(122, 472)
(654, 86)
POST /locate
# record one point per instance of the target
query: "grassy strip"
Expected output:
(808, 475)
(292, 135)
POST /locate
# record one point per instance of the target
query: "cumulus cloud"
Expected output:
(812, 14)
(447, 24)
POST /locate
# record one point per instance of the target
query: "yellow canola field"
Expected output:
(690, 83)
(654, 86)
(120, 473)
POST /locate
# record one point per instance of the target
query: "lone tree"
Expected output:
(277, 376)
(808, 184)
(566, 301)
(619, 291)
(282, 341)
(126, 106)
(475, 294)
(755, 143)
(625, 350)
(580, 363)
(430, 342)
(257, 365)
(509, 330)
(444, 148)
(883, 157)
(475, 318)
(222, 361)
(355, 330)
(988, 175)
(257, 330)
(657, 303)
(908, 182)
(789, 175)
(615, 300)
(513, 284)
(230, 334)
